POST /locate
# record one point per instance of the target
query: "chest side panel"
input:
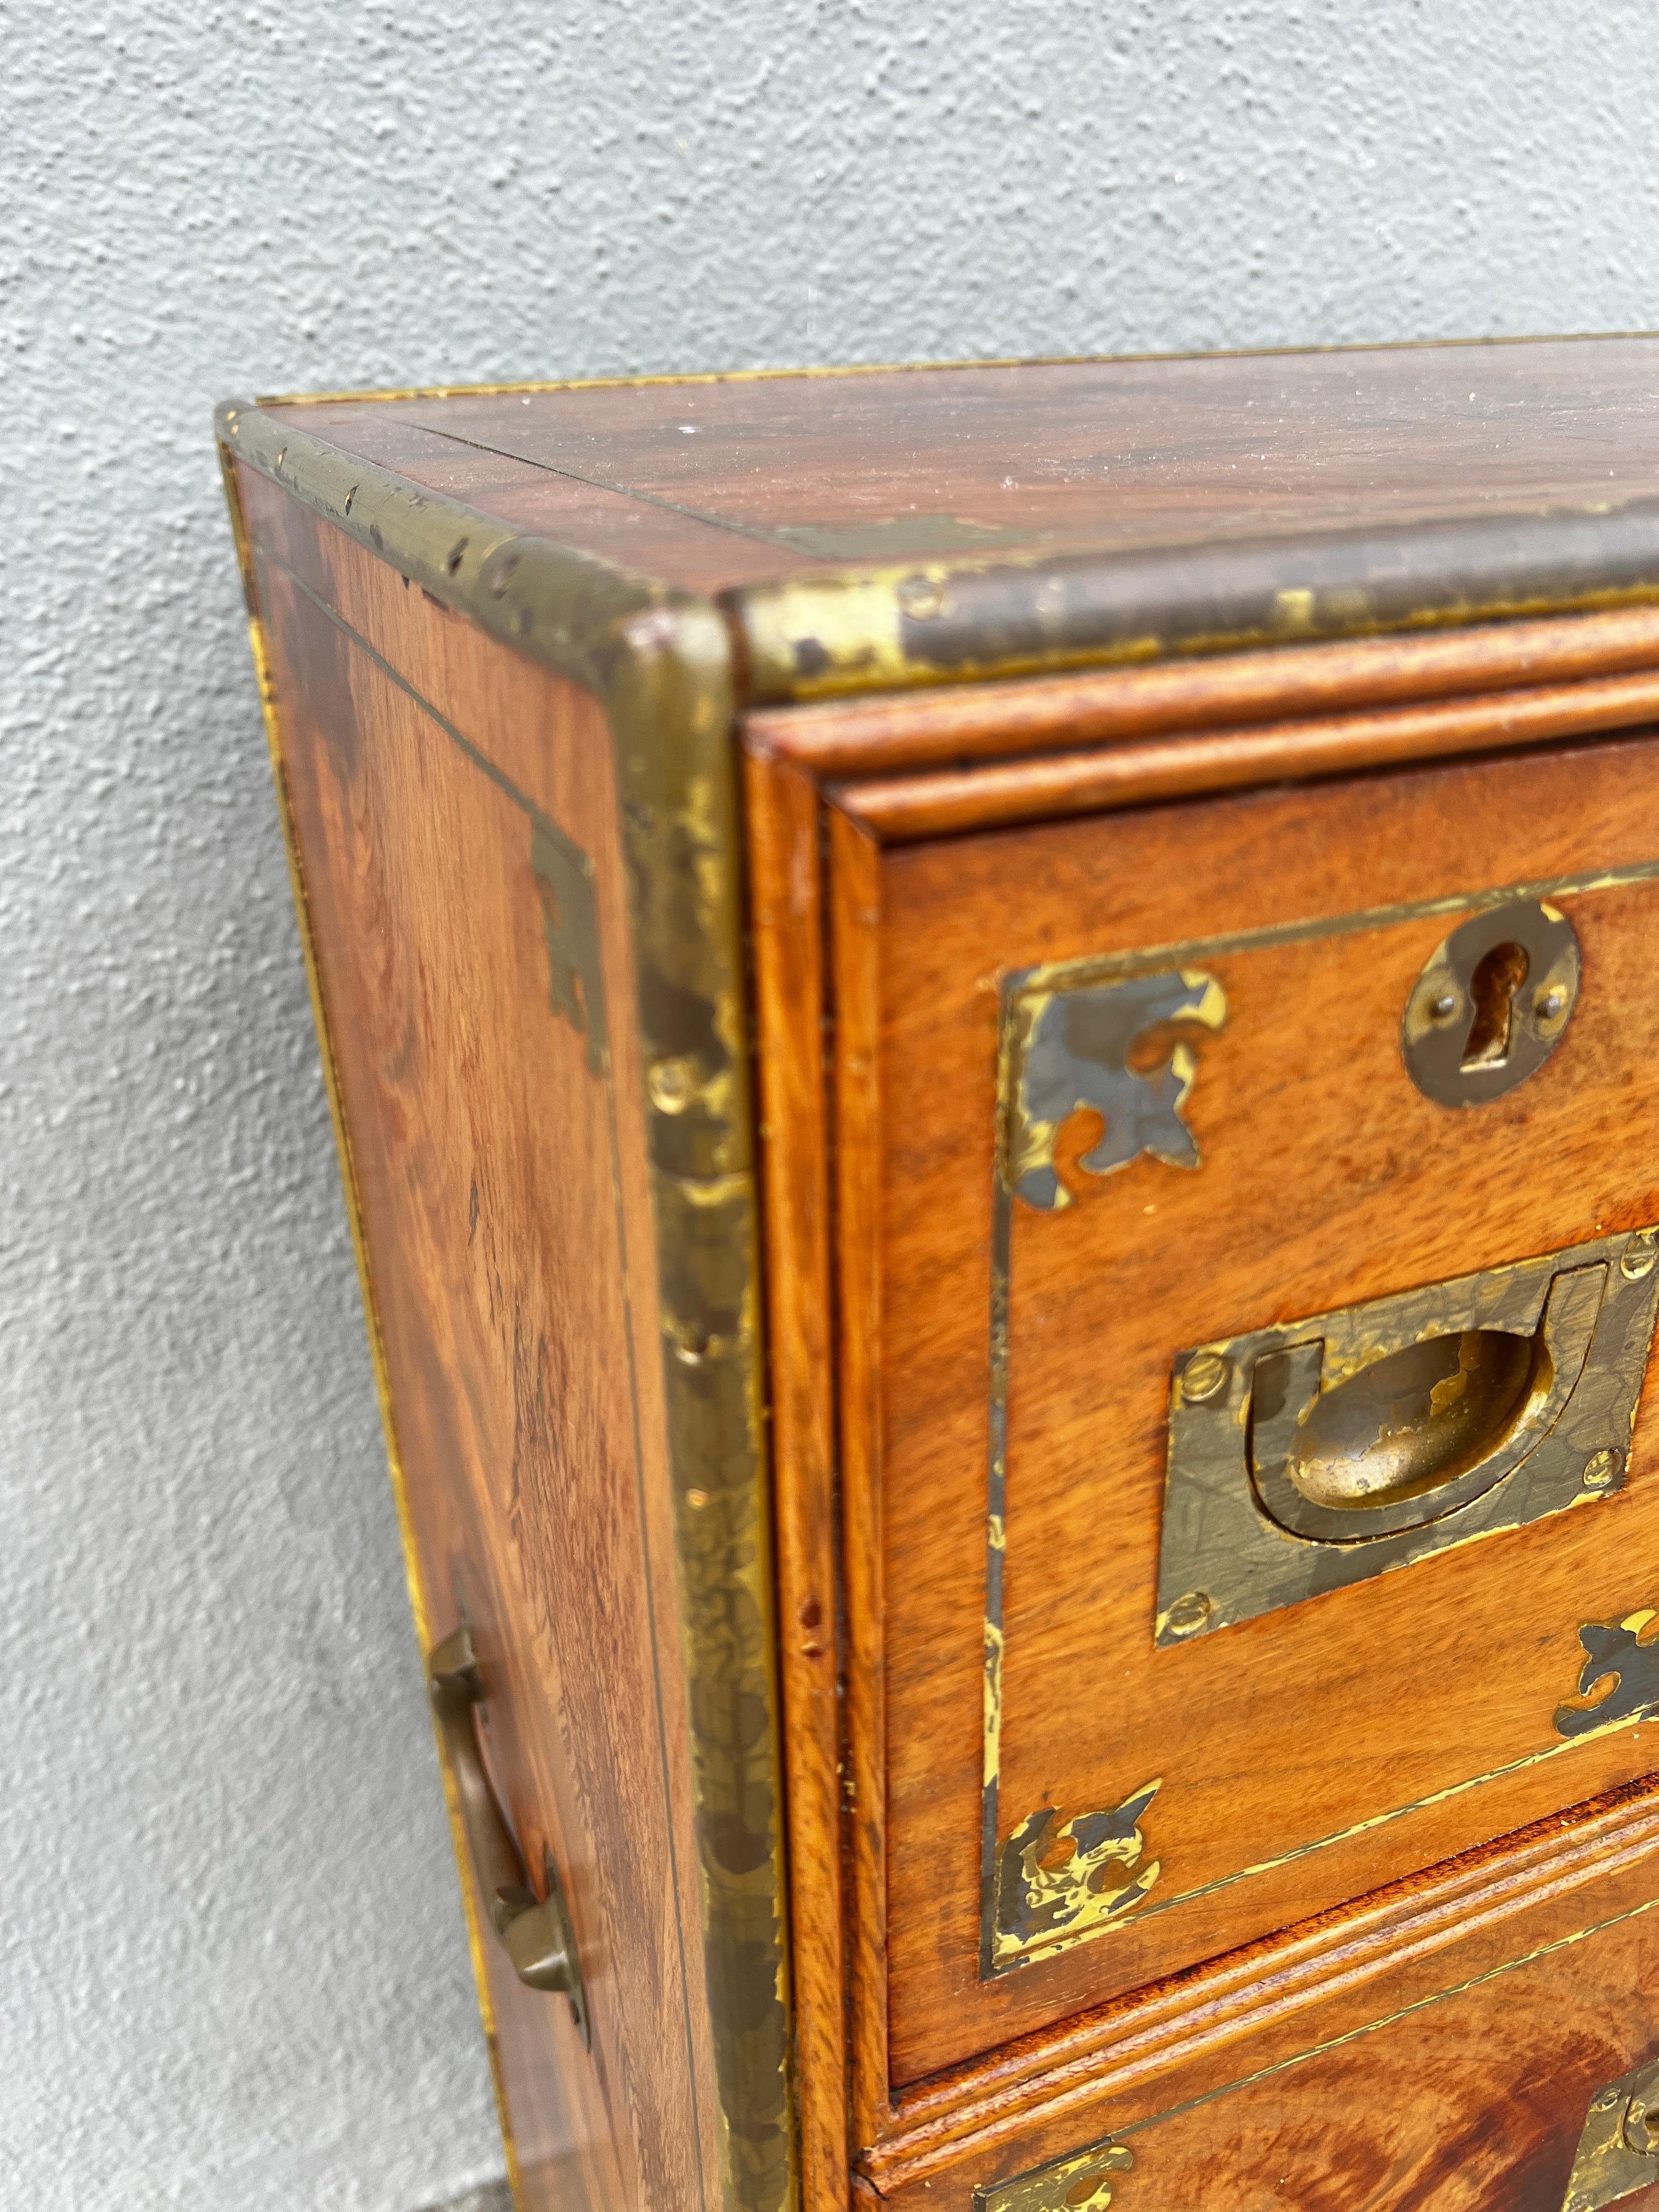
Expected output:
(455, 823)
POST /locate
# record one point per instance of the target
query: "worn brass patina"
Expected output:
(1046, 1903)
(1073, 1052)
(661, 662)
(1082, 2183)
(1026, 611)
(1619, 1678)
(536, 1933)
(1355, 1441)
(1491, 1003)
(1619, 2150)
(1404, 1526)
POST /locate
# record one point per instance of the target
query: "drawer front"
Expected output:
(1512, 2072)
(1186, 1119)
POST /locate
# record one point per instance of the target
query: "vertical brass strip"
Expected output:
(417, 1600)
(667, 687)
(660, 661)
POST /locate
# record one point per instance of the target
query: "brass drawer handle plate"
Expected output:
(1619, 2150)
(1306, 1457)
(536, 1933)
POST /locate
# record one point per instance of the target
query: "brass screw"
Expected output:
(1599, 1469)
(920, 597)
(1551, 1002)
(1203, 1377)
(1187, 1614)
(1639, 1262)
(672, 1084)
(1444, 1007)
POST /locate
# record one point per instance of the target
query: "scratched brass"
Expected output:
(1046, 1903)
(1619, 2150)
(1253, 1514)
(1620, 1677)
(1081, 2182)
(1072, 1051)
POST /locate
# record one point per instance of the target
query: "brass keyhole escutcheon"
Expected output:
(1491, 1003)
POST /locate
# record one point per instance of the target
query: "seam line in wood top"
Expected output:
(620, 490)
(527, 807)
(1016, 986)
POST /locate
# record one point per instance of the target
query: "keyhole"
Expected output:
(1497, 977)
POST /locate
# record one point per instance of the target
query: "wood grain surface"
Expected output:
(1040, 2086)
(789, 933)
(1326, 1180)
(1454, 2081)
(737, 482)
(896, 809)
(505, 1207)
(854, 924)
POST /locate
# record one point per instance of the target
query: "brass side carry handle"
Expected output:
(536, 1933)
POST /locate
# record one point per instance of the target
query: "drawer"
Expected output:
(1159, 1128)
(1511, 2071)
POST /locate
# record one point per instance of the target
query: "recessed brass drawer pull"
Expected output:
(536, 1933)
(1619, 2150)
(1303, 1458)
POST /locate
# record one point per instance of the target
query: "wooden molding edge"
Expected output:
(969, 2113)
(887, 733)
(902, 809)
(789, 928)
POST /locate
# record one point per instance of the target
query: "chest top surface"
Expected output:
(873, 528)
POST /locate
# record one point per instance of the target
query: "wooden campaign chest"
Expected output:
(995, 1042)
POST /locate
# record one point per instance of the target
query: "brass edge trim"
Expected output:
(890, 627)
(668, 699)
(1036, 611)
(419, 1608)
(514, 388)
(566, 608)
(661, 662)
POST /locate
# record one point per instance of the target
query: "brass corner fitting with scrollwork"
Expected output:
(1045, 1902)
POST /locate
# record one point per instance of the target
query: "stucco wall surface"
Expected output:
(235, 1979)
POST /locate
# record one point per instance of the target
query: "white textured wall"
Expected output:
(233, 1978)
